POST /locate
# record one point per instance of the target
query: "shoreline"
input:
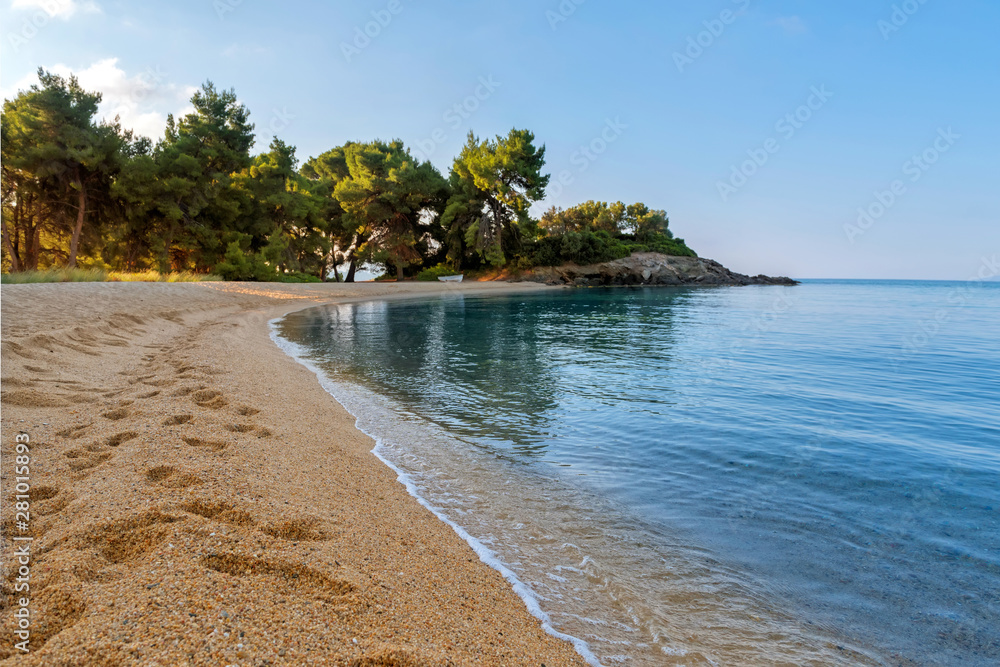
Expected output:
(485, 554)
(182, 467)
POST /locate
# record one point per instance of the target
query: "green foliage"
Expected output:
(387, 197)
(595, 232)
(243, 264)
(435, 272)
(579, 248)
(635, 220)
(58, 165)
(89, 196)
(494, 182)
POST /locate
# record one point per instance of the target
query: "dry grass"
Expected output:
(102, 276)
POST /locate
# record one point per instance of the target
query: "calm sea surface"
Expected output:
(757, 475)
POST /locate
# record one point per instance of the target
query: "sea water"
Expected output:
(757, 475)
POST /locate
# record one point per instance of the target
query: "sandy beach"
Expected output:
(197, 498)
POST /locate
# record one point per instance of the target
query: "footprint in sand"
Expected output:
(159, 383)
(391, 656)
(296, 578)
(85, 459)
(177, 420)
(54, 609)
(121, 412)
(39, 493)
(74, 432)
(150, 394)
(246, 411)
(48, 500)
(32, 398)
(169, 477)
(214, 445)
(209, 398)
(296, 530)
(219, 511)
(128, 539)
(259, 431)
(120, 438)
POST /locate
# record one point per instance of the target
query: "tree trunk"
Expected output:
(15, 261)
(336, 273)
(350, 271)
(399, 273)
(74, 244)
(36, 249)
(32, 235)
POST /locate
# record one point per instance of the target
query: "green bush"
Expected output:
(435, 272)
(297, 277)
(240, 264)
(578, 247)
(596, 247)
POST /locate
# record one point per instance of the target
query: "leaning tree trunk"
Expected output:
(74, 243)
(350, 271)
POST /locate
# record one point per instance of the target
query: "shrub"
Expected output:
(298, 277)
(435, 272)
(244, 265)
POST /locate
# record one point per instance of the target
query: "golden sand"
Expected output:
(197, 498)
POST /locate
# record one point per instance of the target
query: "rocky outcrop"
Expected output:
(649, 268)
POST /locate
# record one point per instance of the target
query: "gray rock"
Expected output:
(649, 268)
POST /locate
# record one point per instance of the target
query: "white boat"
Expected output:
(451, 279)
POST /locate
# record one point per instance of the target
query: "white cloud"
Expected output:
(62, 9)
(141, 102)
(791, 24)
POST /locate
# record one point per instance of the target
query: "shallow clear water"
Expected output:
(804, 475)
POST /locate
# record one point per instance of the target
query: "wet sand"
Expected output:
(197, 498)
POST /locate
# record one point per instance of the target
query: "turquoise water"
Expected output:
(808, 475)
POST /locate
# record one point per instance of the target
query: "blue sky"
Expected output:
(682, 105)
